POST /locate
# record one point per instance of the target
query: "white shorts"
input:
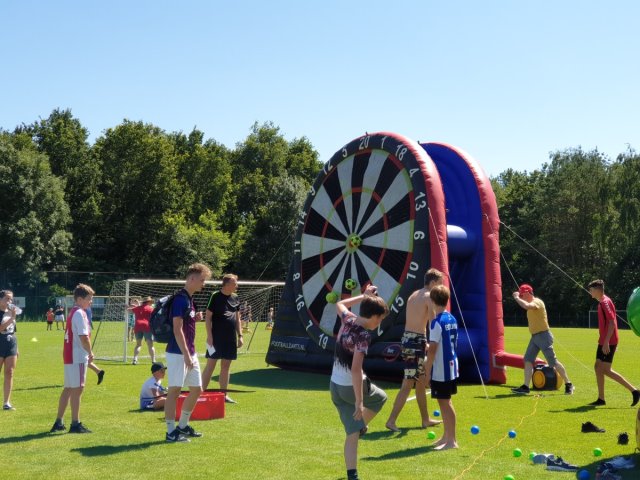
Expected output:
(177, 373)
(75, 374)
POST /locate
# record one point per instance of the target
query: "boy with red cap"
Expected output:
(541, 339)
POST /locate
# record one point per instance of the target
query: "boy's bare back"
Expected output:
(419, 307)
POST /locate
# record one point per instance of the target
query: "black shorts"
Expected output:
(226, 348)
(606, 358)
(8, 345)
(443, 390)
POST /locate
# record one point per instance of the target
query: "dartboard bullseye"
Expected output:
(365, 219)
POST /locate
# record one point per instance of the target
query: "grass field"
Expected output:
(287, 427)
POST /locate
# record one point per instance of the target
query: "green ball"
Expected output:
(509, 477)
(431, 435)
(633, 311)
(331, 297)
(350, 284)
(517, 452)
(597, 452)
(531, 455)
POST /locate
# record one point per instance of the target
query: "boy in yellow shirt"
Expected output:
(541, 339)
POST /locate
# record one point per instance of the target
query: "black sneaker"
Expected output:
(58, 427)
(569, 389)
(188, 431)
(78, 428)
(100, 376)
(599, 402)
(588, 427)
(559, 465)
(521, 390)
(636, 397)
(176, 437)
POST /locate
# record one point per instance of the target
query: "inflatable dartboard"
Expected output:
(375, 215)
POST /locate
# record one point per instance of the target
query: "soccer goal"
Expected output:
(110, 333)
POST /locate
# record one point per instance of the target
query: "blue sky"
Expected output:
(507, 81)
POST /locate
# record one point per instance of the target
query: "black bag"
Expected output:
(161, 321)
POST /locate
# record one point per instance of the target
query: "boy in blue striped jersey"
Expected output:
(442, 364)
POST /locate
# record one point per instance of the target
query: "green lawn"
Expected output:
(287, 428)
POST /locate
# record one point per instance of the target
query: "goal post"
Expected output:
(110, 334)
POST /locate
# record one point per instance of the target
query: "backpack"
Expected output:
(161, 321)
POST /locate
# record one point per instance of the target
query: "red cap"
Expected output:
(525, 288)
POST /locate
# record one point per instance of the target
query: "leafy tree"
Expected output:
(140, 188)
(271, 178)
(205, 172)
(64, 140)
(624, 238)
(35, 215)
(267, 242)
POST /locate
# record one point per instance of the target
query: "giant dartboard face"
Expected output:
(365, 221)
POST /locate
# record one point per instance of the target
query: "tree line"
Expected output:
(580, 210)
(143, 200)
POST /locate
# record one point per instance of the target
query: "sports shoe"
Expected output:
(78, 428)
(521, 390)
(589, 427)
(8, 406)
(569, 389)
(58, 427)
(176, 437)
(636, 397)
(188, 431)
(135, 361)
(597, 403)
(559, 465)
(100, 376)
(228, 399)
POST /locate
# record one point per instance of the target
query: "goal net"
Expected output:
(110, 334)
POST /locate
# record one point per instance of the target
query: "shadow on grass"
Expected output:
(384, 435)
(41, 387)
(586, 408)
(387, 434)
(25, 438)
(102, 450)
(284, 379)
(409, 452)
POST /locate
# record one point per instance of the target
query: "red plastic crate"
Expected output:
(210, 405)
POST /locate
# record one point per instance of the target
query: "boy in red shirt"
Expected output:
(607, 344)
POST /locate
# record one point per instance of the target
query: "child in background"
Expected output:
(92, 366)
(153, 394)
(49, 316)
